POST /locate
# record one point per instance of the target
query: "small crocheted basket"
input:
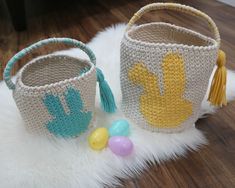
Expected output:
(165, 71)
(55, 94)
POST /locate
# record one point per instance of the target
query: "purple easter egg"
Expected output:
(120, 145)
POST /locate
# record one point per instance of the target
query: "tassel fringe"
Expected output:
(107, 99)
(217, 95)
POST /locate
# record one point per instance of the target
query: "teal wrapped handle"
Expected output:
(24, 52)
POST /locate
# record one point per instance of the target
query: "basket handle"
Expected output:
(177, 7)
(25, 51)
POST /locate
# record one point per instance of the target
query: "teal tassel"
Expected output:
(107, 99)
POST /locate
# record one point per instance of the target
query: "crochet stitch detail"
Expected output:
(170, 109)
(63, 124)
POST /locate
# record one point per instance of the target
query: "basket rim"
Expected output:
(214, 43)
(21, 84)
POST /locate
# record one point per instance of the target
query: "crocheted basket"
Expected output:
(55, 94)
(165, 70)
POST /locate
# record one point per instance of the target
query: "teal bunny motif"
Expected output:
(67, 124)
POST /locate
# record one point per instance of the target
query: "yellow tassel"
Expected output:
(217, 95)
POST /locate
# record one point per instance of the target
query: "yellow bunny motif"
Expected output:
(170, 109)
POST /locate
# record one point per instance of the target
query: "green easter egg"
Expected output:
(119, 128)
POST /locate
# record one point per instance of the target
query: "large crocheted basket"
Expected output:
(55, 94)
(165, 70)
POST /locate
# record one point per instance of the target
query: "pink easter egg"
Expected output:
(120, 145)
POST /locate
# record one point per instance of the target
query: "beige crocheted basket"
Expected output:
(165, 70)
(55, 94)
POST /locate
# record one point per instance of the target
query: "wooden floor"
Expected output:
(214, 165)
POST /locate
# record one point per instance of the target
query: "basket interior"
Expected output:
(52, 69)
(168, 34)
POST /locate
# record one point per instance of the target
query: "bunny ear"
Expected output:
(174, 74)
(107, 99)
(54, 105)
(139, 74)
(73, 100)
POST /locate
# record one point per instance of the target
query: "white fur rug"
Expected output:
(28, 161)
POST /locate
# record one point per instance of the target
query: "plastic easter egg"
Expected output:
(120, 145)
(119, 128)
(98, 138)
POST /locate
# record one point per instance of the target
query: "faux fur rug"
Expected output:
(28, 161)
